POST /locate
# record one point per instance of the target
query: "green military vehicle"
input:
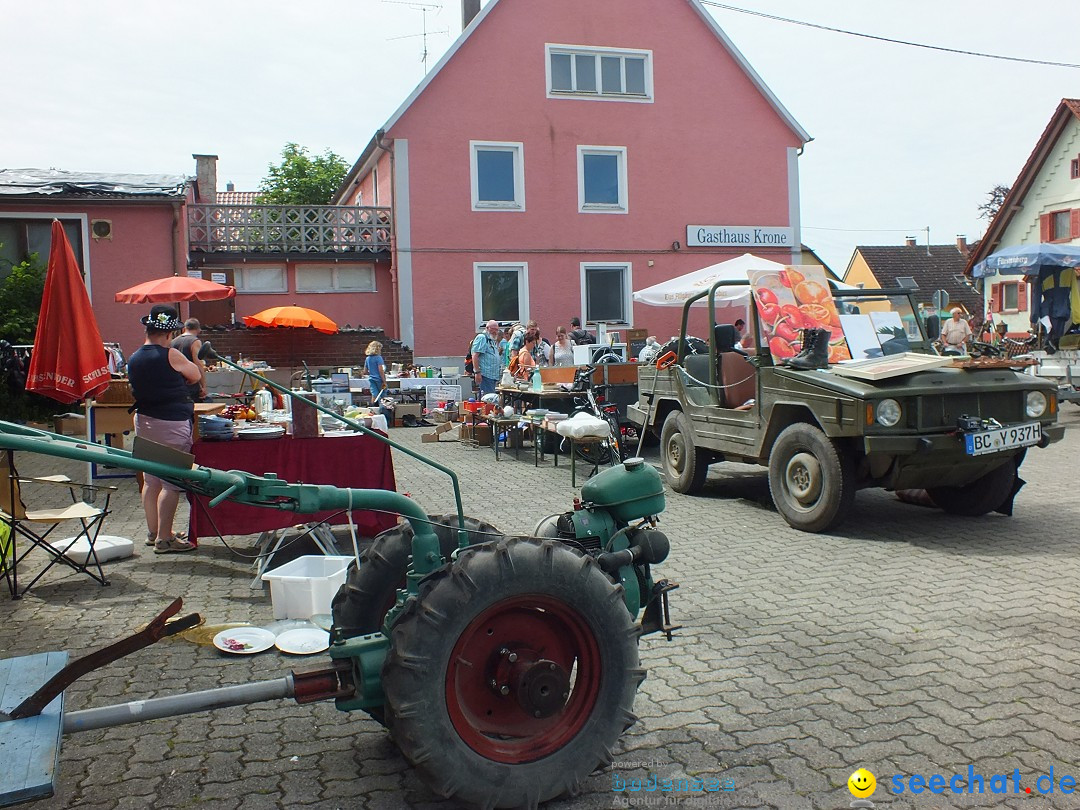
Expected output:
(959, 433)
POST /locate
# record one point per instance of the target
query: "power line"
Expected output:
(888, 39)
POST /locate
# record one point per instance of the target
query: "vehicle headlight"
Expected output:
(1035, 405)
(887, 413)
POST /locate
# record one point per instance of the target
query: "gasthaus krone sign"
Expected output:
(738, 236)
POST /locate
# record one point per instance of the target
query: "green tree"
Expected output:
(301, 179)
(995, 197)
(20, 300)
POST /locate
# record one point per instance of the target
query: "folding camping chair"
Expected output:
(36, 526)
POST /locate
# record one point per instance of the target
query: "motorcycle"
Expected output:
(592, 399)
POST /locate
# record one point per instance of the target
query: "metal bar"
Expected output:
(139, 710)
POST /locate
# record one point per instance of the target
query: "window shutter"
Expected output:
(1022, 296)
(1044, 228)
(1074, 229)
(995, 298)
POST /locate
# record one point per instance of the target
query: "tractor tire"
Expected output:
(511, 677)
(360, 605)
(811, 480)
(980, 496)
(686, 467)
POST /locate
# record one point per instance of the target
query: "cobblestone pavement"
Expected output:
(909, 642)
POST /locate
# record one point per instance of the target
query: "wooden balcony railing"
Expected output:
(288, 229)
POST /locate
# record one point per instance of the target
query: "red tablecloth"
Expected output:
(359, 462)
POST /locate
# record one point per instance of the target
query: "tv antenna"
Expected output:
(423, 8)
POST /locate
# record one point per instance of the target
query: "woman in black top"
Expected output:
(164, 412)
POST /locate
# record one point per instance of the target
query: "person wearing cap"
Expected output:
(955, 332)
(164, 412)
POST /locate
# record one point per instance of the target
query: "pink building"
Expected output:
(124, 228)
(562, 155)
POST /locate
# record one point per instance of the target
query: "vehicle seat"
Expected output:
(697, 366)
(739, 377)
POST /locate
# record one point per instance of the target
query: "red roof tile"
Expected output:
(237, 198)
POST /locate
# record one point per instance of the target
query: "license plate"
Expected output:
(997, 439)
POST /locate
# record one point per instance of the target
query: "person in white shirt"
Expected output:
(955, 332)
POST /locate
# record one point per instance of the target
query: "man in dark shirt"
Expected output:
(164, 412)
(189, 344)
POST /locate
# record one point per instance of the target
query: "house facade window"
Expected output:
(498, 176)
(602, 180)
(20, 237)
(1060, 226)
(501, 291)
(260, 279)
(604, 74)
(1074, 168)
(335, 278)
(606, 291)
(1009, 296)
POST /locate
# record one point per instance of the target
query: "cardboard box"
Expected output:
(479, 434)
(444, 428)
(414, 409)
(69, 424)
(443, 416)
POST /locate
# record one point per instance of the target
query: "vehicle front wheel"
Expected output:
(685, 466)
(980, 496)
(811, 480)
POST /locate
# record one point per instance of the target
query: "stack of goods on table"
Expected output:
(215, 429)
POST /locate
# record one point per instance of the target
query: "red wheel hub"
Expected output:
(523, 679)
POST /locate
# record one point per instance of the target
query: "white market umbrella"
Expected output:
(675, 291)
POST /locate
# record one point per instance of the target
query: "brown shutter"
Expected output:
(1022, 296)
(1044, 228)
(1074, 229)
(995, 298)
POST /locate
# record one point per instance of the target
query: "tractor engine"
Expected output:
(602, 526)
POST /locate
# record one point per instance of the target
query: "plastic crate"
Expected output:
(306, 586)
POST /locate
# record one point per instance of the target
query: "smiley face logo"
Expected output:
(862, 783)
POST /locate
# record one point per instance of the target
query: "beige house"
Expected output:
(1042, 206)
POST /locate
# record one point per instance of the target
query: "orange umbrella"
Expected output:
(292, 316)
(69, 361)
(175, 288)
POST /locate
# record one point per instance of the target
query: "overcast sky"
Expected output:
(904, 138)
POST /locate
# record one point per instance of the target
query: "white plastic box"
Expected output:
(306, 586)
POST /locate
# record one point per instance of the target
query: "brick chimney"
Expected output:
(469, 9)
(909, 241)
(962, 244)
(206, 175)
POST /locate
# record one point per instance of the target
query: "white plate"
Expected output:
(244, 640)
(303, 641)
(261, 433)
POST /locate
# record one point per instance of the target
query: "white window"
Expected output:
(602, 179)
(606, 293)
(498, 176)
(260, 279)
(501, 291)
(605, 74)
(328, 278)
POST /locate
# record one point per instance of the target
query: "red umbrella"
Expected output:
(175, 288)
(292, 316)
(68, 362)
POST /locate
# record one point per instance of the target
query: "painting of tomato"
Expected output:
(780, 348)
